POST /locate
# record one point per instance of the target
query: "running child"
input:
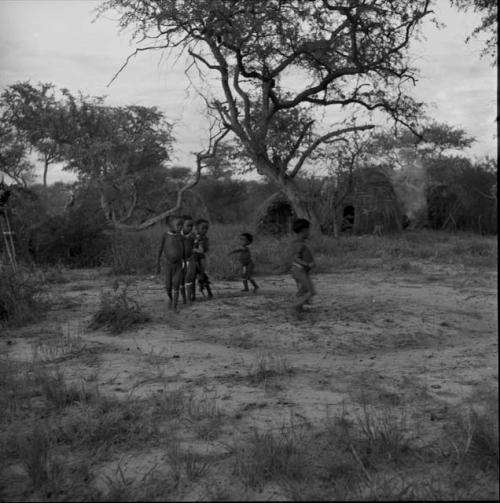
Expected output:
(171, 244)
(302, 263)
(245, 258)
(189, 263)
(200, 248)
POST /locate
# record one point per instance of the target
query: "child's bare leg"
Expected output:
(175, 301)
(209, 290)
(306, 288)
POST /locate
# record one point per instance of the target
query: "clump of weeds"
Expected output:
(118, 311)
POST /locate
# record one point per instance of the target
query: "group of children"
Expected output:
(186, 242)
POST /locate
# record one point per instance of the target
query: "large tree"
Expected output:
(278, 62)
(35, 113)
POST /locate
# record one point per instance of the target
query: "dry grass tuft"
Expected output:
(118, 312)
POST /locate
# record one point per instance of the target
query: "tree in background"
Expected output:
(119, 149)
(36, 116)
(14, 150)
(435, 183)
(488, 9)
(279, 62)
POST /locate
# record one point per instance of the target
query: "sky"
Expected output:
(59, 41)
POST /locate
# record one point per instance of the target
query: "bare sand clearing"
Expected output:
(424, 340)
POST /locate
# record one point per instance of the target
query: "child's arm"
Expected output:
(237, 250)
(162, 246)
(297, 252)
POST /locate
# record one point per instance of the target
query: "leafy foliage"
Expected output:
(488, 9)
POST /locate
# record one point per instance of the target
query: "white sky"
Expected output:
(56, 41)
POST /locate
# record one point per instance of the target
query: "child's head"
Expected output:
(301, 227)
(174, 223)
(246, 238)
(202, 226)
(187, 226)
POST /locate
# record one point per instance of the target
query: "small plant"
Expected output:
(34, 454)
(268, 366)
(267, 456)
(118, 311)
(56, 390)
(196, 466)
(475, 439)
(20, 298)
(383, 434)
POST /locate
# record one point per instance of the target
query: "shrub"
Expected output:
(118, 312)
(20, 297)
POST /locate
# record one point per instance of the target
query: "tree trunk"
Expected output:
(302, 207)
(335, 224)
(45, 169)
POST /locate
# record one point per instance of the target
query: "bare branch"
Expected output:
(201, 158)
(323, 139)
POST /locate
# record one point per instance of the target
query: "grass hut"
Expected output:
(372, 207)
(275, 215)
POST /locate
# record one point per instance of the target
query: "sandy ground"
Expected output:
(423, 340)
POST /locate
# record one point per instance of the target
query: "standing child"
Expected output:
(200, 248)
(302, 263)
(171, 244)
(189, 263)
(246, 262)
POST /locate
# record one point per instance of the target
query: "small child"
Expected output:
(200, 248)
(171, 244)
(302, 263)
(189, 263)
(246, 262)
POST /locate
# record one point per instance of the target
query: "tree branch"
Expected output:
(323, 139)
(201, 158)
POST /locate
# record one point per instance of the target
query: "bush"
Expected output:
(118, 312)
(20, 298)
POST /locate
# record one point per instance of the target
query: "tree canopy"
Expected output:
(278, 62)
(488, 9)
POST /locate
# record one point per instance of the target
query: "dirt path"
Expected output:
(382, 334)
(425, 342)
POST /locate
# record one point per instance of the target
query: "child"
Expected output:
(189, 263)
(200, 248)
(171, 243)
(302, 263)
(246, 262)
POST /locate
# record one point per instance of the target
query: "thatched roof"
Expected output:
(274, 215)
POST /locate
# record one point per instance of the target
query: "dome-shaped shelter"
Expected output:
(372, 206)
(275, 215)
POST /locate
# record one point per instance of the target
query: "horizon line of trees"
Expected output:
(122, 158)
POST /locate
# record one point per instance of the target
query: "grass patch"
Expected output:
(474, 438)
(271, 456)
(137, 252)
(118, 311)
(268, 366)
(57, 391)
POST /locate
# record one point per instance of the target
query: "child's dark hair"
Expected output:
(200, 221)
(171, 218)
(247, 236)
(300, 224)
(187, 217)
